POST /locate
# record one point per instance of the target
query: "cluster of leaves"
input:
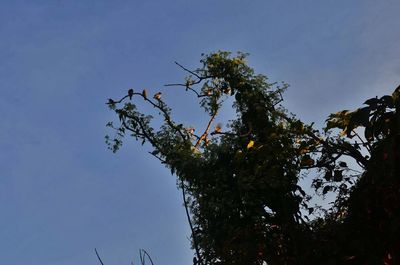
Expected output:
(240, 186)
(364, 224)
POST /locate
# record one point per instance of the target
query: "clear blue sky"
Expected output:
(62, 193)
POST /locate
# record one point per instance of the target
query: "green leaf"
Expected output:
(326, 189)
(302, 192)
(396, 97)
(317, 183)
(373, 102)
(155, 152)
(338, 175)
(388, 101)
(369, 133)
(328, 175)
(360, 117)
(338, 120)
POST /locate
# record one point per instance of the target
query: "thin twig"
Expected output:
(234, 134)
(97, 254)
(159, 158)
(147, 254)
(189, 88)
(366, 144)
(195, 243)
(111, 101)
(200, 78)
(141, 256)
(189, 71)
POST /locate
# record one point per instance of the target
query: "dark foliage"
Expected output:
(241, 185)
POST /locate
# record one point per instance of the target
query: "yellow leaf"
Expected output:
(250, 144)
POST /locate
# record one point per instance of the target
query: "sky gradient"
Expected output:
(62, 193)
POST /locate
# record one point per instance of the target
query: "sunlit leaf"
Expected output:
(250, 144)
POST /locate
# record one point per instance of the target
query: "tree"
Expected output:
(241, 186)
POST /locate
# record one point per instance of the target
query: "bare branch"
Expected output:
(189, 71)
(188, 85)
(196, 247)
(111, 101)
(190, 88)
(159, 158)
(147, 254)
(366, 144)
(98, 257)
(141, 256)
(205, 133)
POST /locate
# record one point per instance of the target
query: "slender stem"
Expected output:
(98, 257)
(195, 243)
(204, 135)
(147, 254)
(366, 144)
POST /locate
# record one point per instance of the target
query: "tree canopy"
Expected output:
(240, 180)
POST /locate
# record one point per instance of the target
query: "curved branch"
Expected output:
(148, 256)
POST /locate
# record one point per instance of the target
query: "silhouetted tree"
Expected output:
(240, 181)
